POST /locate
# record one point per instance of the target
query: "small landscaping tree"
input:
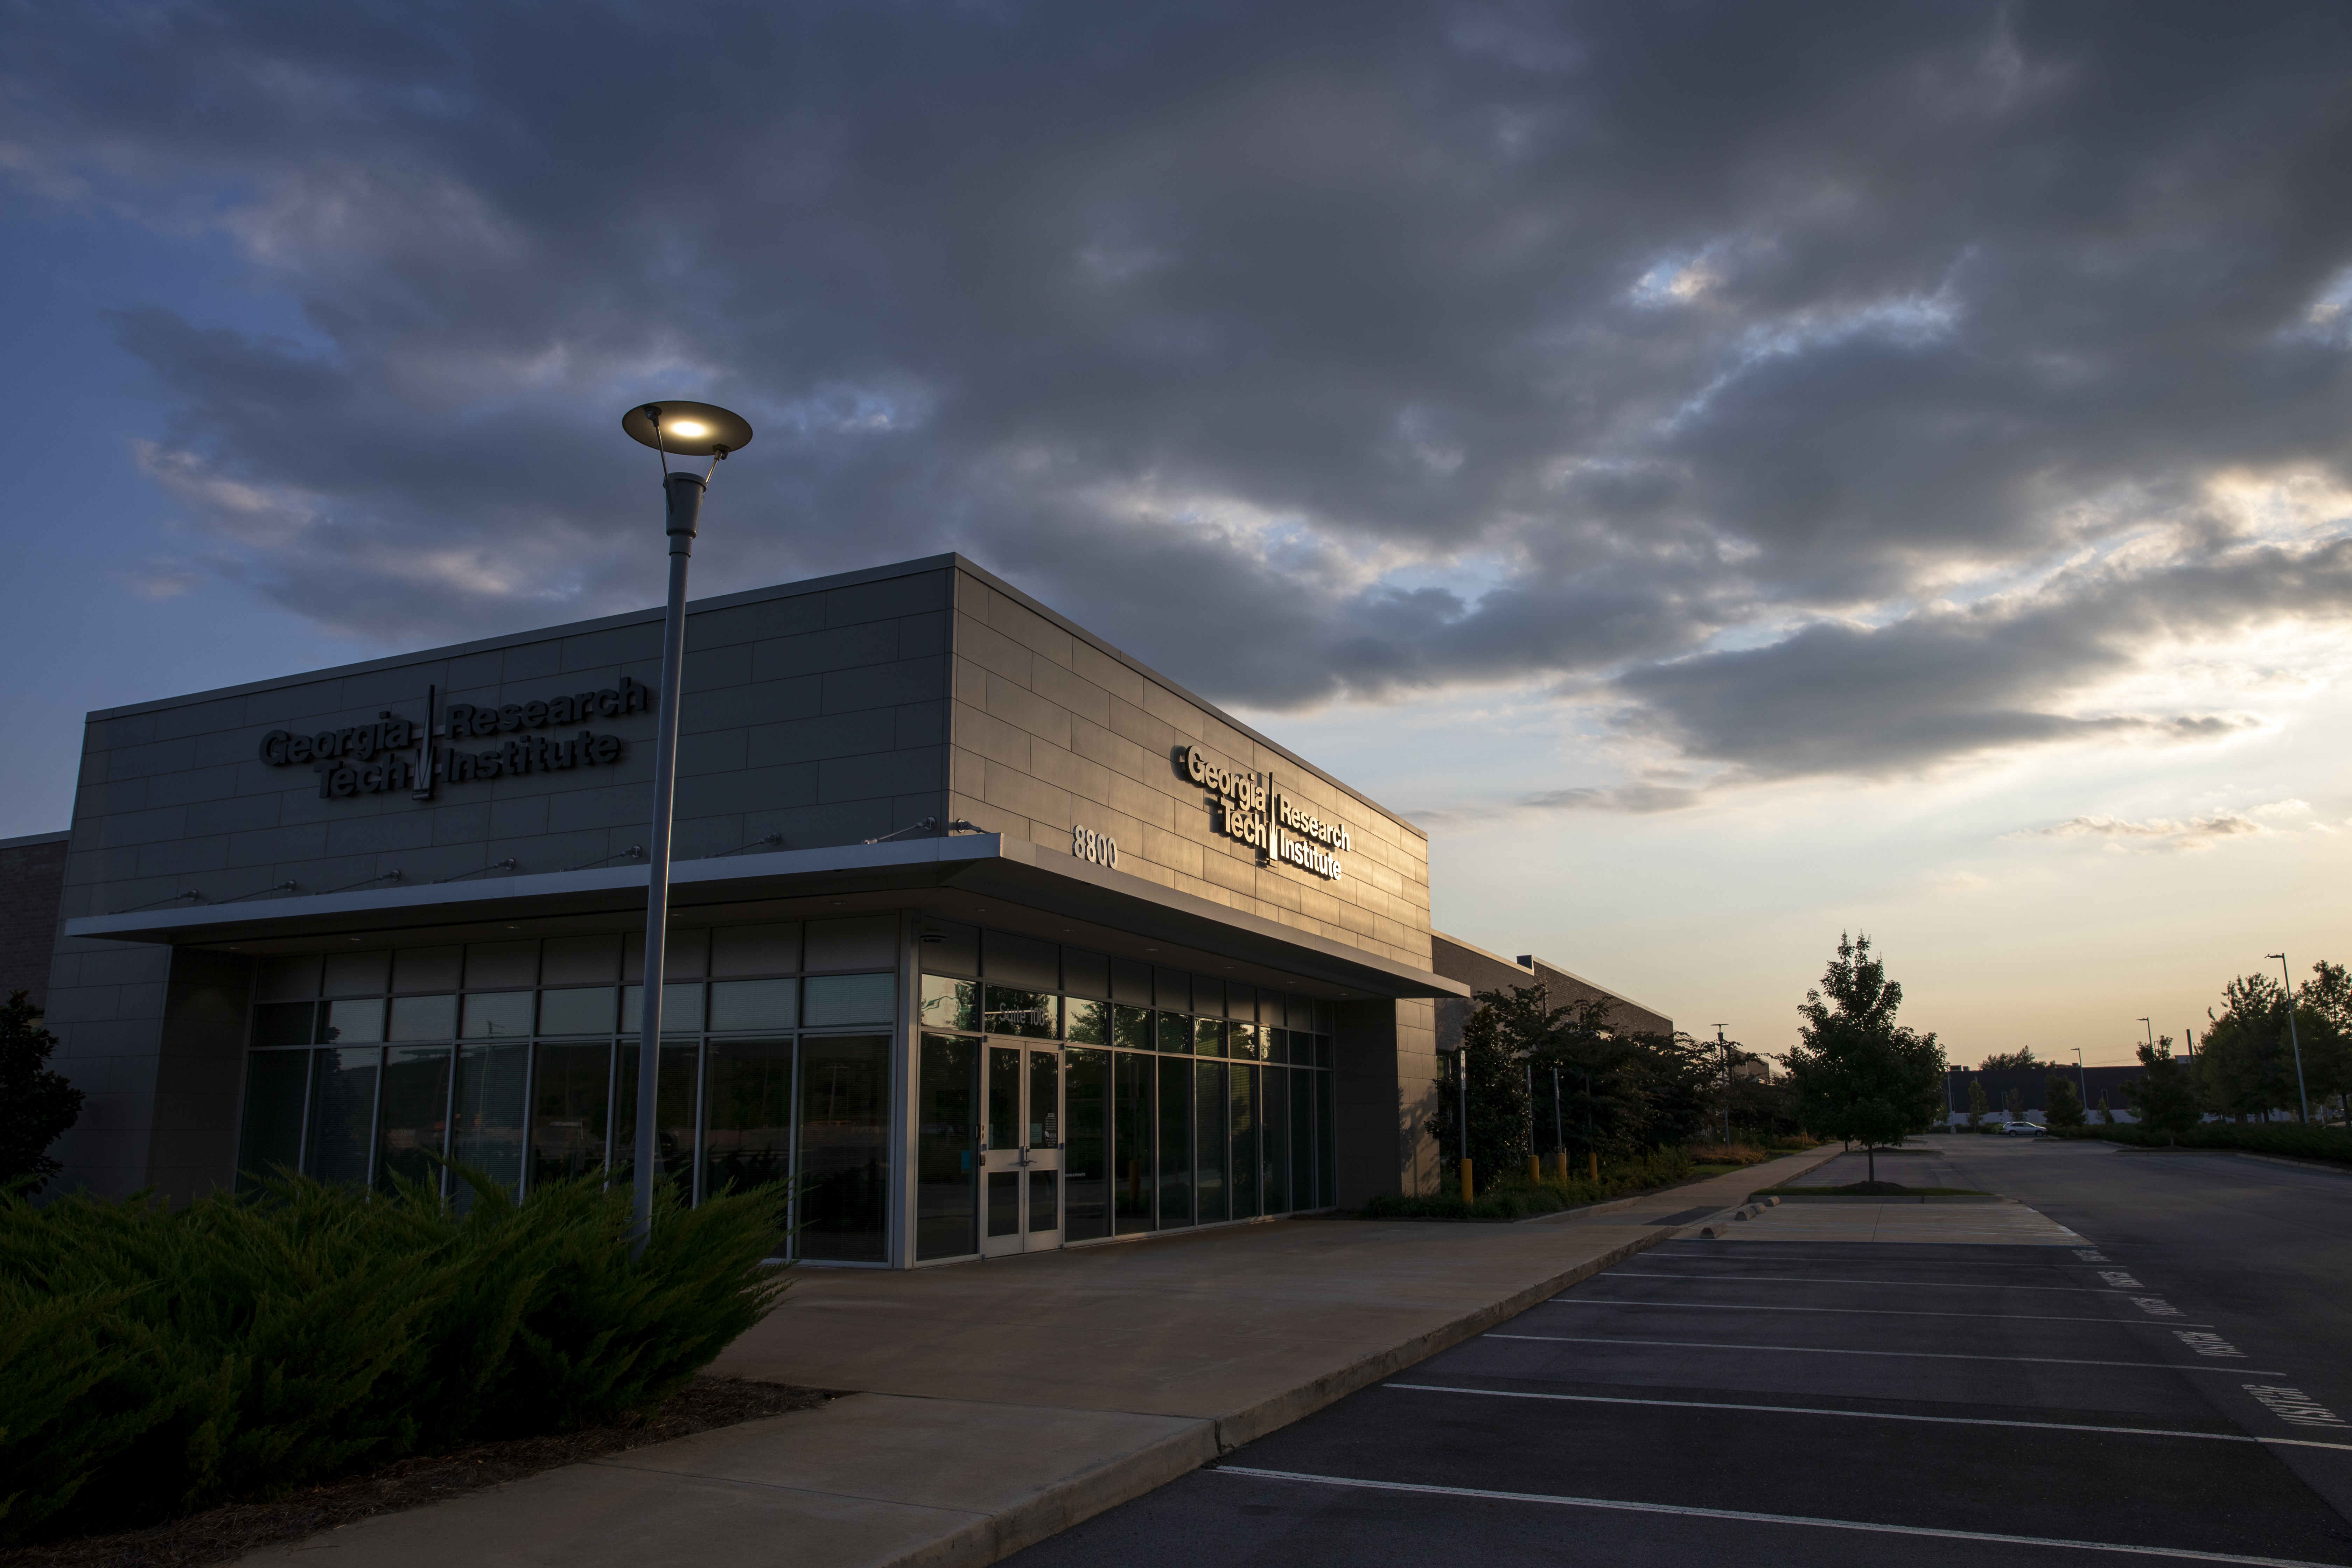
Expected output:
(36, 1103)
(2162, 1097)
(2107, 1113)
(1860, 1075)
(2065, 1107)
(1977, 1105)
(2014, 1103)
(1498, 1097)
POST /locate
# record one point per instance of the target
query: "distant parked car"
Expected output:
(2021, 1130)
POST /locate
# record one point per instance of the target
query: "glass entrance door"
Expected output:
(1021, 1161)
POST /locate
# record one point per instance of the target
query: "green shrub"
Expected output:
(1513, 1196)
(155, 1360)
(2291, 1139)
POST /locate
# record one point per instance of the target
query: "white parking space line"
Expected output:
(1876, 1416)
(1911, 1355)
(1884, 1284)
(1614, 1505)
(1866, 1311)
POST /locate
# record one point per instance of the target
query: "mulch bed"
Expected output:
(224, 1534)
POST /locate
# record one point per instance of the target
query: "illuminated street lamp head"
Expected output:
(687, 429)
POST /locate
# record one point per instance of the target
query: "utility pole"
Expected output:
(2301, 1092)
(1723, 1050)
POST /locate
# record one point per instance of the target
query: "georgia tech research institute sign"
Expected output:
(1249, 808)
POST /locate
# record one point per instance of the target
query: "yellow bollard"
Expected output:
(1560, 1164)
(1535, 1170)
(1468, 1190)
(1595, 1156)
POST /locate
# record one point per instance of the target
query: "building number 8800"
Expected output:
(1097, 849)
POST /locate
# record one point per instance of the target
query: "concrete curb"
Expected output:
(1049, 1512)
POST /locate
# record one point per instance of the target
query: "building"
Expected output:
(995, 938)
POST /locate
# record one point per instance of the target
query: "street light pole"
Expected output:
(2288, 975)
(2083, 1081)
(696, 430)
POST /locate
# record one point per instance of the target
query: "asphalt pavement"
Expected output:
(2165, 1384)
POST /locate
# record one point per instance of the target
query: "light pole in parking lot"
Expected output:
(2082, 1080)
(2288, 975)
(683, 430)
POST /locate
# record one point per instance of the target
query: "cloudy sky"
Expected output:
(1734, 473)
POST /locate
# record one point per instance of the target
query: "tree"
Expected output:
(2064, 1112)
(36, 1102)
(2248, 1066)
(2014, 1103)
(2162, 1097)
(1977, 1106)
(1498, 1096)
(2107, 1113)
(1860, 1075)
(2002, 1061)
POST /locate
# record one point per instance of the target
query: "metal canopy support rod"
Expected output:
(685, 493)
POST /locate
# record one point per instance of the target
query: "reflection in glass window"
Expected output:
(748, 1123)
(343, 1113)
(1087, 1023)
(844, 1088)
(488, 1133)
(415, 1115)
(1209, 1036)
(1175, 1033)
(753, 1004)
(951, 1004)
(673, 1113)
(354, 1023)
(1302, 1140)
(424, 1017)
(1032, 1015)
(570, 1104)
(1241, 1041)
(585, 1011)
(1133, 1173)
(272, 1134)
(1242, 1079)
(1085, 1196)
(1208, 1190)
(1131, 1028)
(498, 1014)
(947, 1118)
(1175, 1142)
(1273, 1116)
(831, 1001)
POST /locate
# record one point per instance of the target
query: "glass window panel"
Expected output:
(1241, 1041)
(495, 965)
(571, 1104)
(498, 1014)
(845, 1147)
(1175, 1032)
(585, 1010)
(951, 1004)
(579, 961)
(1085, 1148)
(1044, 1127)
(1326, 1158)
(415, 1115)
(359, 974)
(947, 1127)
(426, 968)
(284, 1023)
(1134, 1172)
(753, 1004)
(681, 1009)
(1003, 1203)
(1131, 1028)
(290, 979)
(1209, 1036)
(1003, 1097)
(869, 942)
(829, 1000)
(1273, 1116)
(1209, 1192)
(357, 1023)
(746, 1117)
(1278, 1044)
(1044, 1194)
(488, 1134)
(1175, 1142)
(275, 1082)
(1246, 1175)
(424, 1017)
(1032, 1015)
(1087, 1023)
(343, 1113)
(1302, 1140)
(674, 1113)
(1323, 1051)
(755, 950)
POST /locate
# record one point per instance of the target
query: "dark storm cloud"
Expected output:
(1311, 349)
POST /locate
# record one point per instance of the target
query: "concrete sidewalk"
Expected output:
(1002, 1402)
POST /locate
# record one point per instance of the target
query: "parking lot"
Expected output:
(1788, 1395)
